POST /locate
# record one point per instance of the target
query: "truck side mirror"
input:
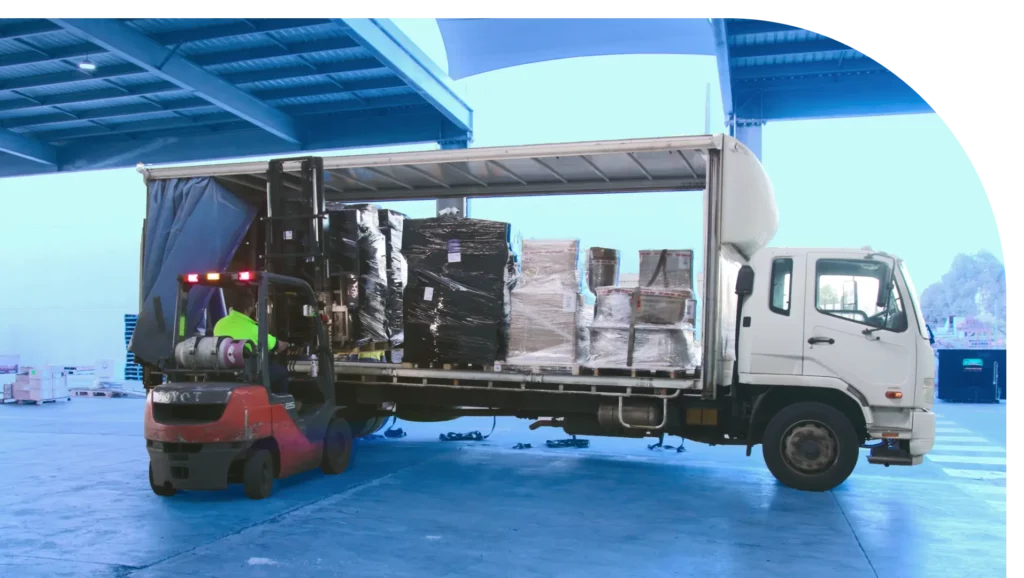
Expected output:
(745, 281)
(931, 336)
(884, 287)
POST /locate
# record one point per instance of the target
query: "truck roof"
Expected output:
(660, 164)
(748, 212)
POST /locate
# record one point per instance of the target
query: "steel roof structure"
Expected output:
(106, 93)
(768, 71)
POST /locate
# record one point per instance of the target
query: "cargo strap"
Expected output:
(661, 269)
(473, 436)
(661, 445)
(569, 443)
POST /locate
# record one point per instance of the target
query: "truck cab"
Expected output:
(845, 322)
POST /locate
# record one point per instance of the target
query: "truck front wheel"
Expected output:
(810, 446)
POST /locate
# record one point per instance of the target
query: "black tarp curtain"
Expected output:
(193, 225)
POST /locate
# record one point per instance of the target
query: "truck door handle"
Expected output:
(817, 340)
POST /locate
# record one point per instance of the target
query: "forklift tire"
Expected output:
(258, 475)
(337, 447)
(810, 446)
(164, 491)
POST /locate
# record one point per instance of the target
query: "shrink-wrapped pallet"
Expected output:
(457, 301)
(357, 248)
(391, 226)
(546, 305)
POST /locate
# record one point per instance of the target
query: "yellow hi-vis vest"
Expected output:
(240, 326)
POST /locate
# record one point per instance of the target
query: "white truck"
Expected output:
(809, 352)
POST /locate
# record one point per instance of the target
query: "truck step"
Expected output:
(893, 457)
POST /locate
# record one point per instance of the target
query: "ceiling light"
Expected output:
(87, 65)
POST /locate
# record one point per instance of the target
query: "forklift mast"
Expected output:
(294, 229)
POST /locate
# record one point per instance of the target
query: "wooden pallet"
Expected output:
(367, 348)
(451, 366)
(569, 369)
(39, 402)
(100, 393)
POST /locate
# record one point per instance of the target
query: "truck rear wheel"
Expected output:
(810, 446)
(337, 447)
(258, 474)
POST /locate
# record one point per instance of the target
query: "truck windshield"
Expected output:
(922, 326)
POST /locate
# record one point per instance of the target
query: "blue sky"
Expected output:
(70, 242)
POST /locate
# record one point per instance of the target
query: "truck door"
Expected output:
(863, 338)
(772, 333)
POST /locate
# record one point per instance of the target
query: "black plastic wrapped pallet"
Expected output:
(357, 251)
(457, 305)
(391, 226)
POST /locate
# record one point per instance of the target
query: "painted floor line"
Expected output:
(986, 489)
(968, 448)
(974, 474)
(962, 439)
(981, 460)
(956, 430)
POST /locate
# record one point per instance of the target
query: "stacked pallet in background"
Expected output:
(546, 305)
(357, 253)
(457, 299)
(650, 326)
(132, 370)
(39, 386)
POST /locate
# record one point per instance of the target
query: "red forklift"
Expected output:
(215, 419)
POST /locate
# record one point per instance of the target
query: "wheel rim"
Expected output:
(810, 447)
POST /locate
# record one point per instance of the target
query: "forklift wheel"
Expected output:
(165, 490)
(258, 476)
(337, 447)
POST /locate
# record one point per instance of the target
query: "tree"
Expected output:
(827, 296)
(974, 286)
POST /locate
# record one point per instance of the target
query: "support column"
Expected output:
(748, 132)
(460, 204)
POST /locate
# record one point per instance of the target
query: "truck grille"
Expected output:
(187, 413)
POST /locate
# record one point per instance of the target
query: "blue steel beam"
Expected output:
(740, 27)
(831, 100)
(386, 42)
(750, 135)
(724, 72)
(239, 78)
(26, 147)
(154, 57)
(881, 79)
(460, 204)
(817, 68)
(787, 48)
(328, 132)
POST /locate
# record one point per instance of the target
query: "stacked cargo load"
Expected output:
(650, 326)
(457, 301)
(358, 255)
(391, 226)
(546, 305)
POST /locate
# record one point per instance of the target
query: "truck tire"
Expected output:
(337, 447)
(165, 490)
(258, 474)
(810, 446)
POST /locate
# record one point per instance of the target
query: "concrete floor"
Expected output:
(76, 502)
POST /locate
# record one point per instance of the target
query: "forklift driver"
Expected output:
(239, 324)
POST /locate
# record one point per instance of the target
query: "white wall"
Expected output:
(69, 256)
